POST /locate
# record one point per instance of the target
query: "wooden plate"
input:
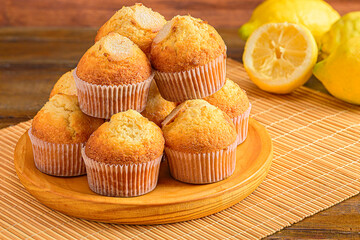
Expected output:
(171, 201)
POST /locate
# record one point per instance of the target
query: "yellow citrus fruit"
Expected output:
(316, 15)
(345, 28)
(279, 57)
(340, 72)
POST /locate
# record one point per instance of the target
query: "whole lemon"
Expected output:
(340, 72)
(346, 27)
(316, 15)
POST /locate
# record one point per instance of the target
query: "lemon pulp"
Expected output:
(279, 56)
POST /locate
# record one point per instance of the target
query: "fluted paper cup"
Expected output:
(196, 83)
(103, 101)
(117, 180)
(202, 168)
(57, 159)
(241, 123)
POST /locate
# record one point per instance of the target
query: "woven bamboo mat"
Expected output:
(316, 165)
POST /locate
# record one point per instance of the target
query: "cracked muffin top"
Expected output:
(184, 43)
(196, 126)
(65, 85)
(157, 108)
(138, 23)
(60, 120)
(230, 98)
(114, 60)
(127, 138)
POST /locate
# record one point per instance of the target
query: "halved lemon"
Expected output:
(279, 57)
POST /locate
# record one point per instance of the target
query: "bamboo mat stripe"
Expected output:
(316, 165)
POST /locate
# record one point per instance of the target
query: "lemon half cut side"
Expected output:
(279, 57)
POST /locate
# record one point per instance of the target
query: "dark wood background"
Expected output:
(42, 39)
(93, 13)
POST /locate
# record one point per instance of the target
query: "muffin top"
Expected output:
(230, 98)
(157, 108)
(114, 60)
(137, 22)
(65, 85)
(196, 126)
(127, 138)
(184, 43)
(60, 120)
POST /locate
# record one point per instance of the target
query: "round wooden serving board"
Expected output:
(171, 201)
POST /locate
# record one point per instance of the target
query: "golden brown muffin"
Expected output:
(230, 98)
(60, 120)
(65, 85)
(138, 23)
(184, 43)
(196, 126)
(127, 138)
(157, 108)
(114, 60)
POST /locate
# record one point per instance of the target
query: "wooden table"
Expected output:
(32, 59)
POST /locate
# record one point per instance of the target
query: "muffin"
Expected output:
(57, 133)
(189, 57)
(65, 85)
(232, 100)
(157, 108)
(138, 23)
(200, 143)
(123, 156)
(114, 75)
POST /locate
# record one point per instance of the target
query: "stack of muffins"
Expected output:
(108, 119)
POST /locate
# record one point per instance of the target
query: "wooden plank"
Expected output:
(225, 13)
(339, 222)
(95, 13)
(33, 46)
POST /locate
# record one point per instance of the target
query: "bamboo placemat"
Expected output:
(316, 165)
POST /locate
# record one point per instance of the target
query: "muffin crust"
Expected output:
(157, 108)
(196, 126)
(65, 85)
(184, 43)
(230, 98)
(60, 120)
(127, 138)
(138, 23)
(114, 60)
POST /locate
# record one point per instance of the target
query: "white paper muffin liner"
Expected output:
(196, 83)
(57, 159)
(103, 101)
(202, 168)
(242, 124)
(117, 180)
